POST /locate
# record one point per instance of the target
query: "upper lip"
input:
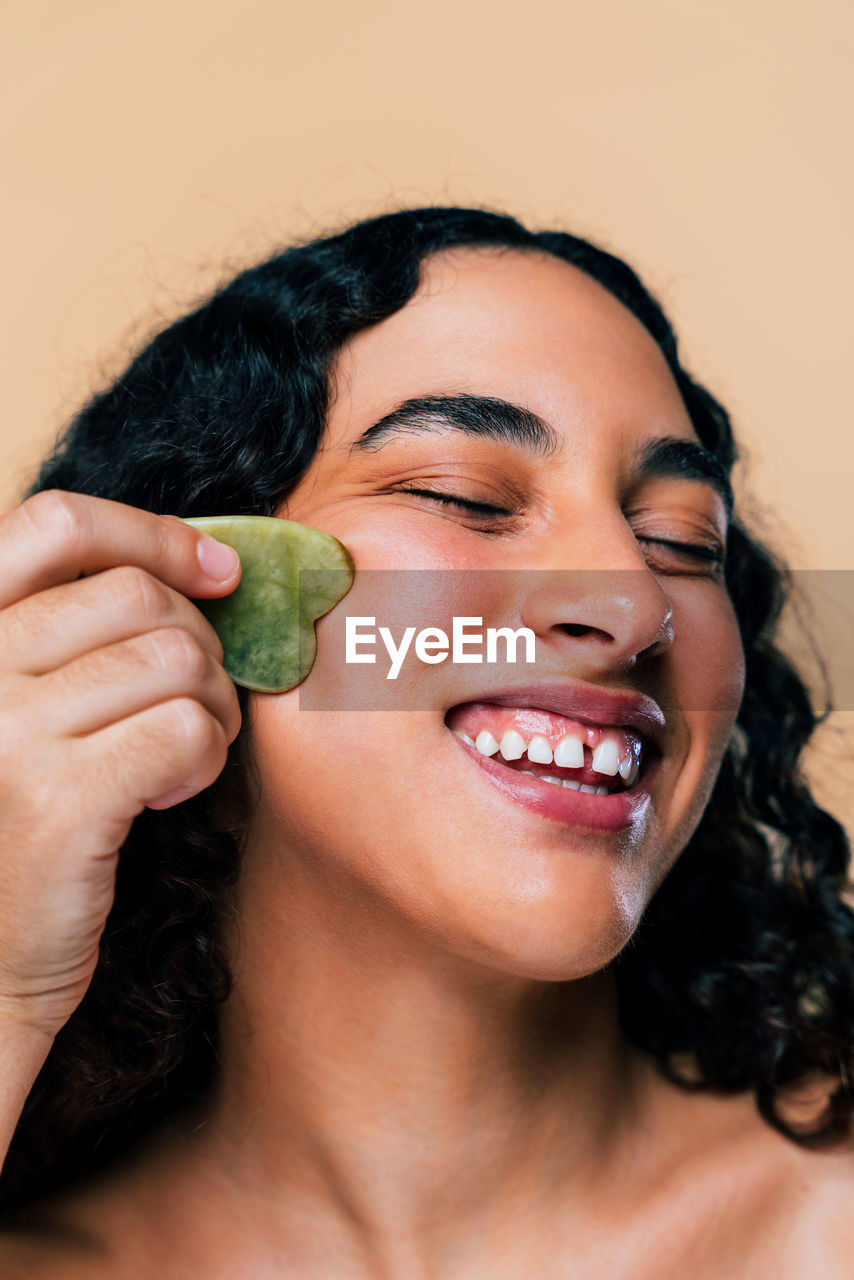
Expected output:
(589, 704)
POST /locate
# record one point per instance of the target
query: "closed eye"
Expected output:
(672, 557)
(453, 500)
(698, 552)
(695, 549)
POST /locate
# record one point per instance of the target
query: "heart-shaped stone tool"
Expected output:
(291, 576)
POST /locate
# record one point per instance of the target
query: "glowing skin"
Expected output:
(409, 819)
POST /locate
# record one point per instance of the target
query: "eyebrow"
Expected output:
(667, 457)
(478, 415)
(672, 457)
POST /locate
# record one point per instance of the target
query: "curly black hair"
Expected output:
(740, 974)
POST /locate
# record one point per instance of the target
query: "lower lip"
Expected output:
(561, 804)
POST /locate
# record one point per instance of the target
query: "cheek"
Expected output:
(708, 675)
(314, 769)
(711, 666)
(367, 810)
(384, 535)
(340, 802)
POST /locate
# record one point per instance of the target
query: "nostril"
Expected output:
(575, 629)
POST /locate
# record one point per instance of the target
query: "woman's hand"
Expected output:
(112, 697)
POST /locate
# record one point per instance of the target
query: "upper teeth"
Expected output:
(610, 756)
(539, 750)
(513, 746)
(569, 753)
(485, 743)
(626, 767)
(606, 757)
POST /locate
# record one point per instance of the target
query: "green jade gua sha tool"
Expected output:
(291, 576)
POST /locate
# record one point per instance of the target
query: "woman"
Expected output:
(371, 1000)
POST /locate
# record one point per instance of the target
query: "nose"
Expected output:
(606, 619)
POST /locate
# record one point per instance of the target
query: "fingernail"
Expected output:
(218, 561)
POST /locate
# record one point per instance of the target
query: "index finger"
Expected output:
(56, 536)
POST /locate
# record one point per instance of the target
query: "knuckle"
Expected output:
(57, 514)
(178, 650)
(202, 734)
(138, 592)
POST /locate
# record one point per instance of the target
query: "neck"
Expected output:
(368, 1071)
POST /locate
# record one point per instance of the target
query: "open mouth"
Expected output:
(557, 750)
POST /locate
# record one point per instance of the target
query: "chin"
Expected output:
(561, 938)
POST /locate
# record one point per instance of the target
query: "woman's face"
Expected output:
(561, 525)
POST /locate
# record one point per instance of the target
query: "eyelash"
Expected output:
(692, 549)
(469, 504)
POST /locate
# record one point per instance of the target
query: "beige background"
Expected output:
(150, 148)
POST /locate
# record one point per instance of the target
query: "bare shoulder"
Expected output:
(41, 1247)
(733, 1197)
(86, 1230)
(109, 1225)
(784, 1210)
(814, 1211)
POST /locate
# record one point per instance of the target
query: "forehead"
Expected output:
(524, 327)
